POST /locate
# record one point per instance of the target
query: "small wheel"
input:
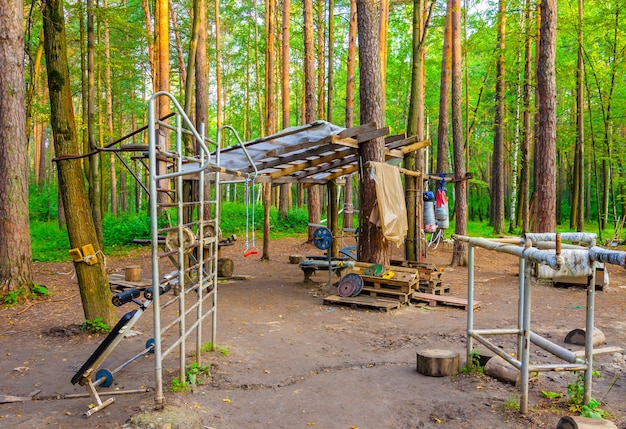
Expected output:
(189, 239)
(108, 377)
(150, 345)
(322, 238)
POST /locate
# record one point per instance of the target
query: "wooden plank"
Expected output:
(380, 132)
(433, 300)
(351, 132)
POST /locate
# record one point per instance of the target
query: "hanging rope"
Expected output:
(250, 250)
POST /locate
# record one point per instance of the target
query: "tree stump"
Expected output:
(577, 422)
(437, 362)
(577, 337)
(225, 267)
(296, 259)
(132, 273)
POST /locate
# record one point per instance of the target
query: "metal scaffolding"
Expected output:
(541, 248)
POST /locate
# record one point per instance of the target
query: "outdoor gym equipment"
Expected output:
(104, 377)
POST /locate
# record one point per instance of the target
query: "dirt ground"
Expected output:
(293, 362)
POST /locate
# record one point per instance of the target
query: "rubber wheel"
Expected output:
(150, 344)
(108, 377)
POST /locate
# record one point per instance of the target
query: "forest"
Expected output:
(249, 63)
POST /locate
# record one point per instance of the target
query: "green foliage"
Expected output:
(42, 203)
(40, 290)
(550, 395)
(123, 229)
(511, 404)
(13, 297)
(95, 326)
(473, 367)
(207, 347)
(233, 220)
(49, 243)
(193, 375)
(576, 392)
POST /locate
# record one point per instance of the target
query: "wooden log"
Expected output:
(437, 362)
(225, 267)
(577, 422)
(296, 259)
(500, 369)
(577, 337)
(132, 273)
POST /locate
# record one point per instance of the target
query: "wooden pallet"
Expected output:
(439, 290)
(433, 300)
(403, 297)
(364, 301)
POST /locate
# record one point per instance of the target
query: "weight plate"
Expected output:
(150, 345)
(189, 239)
(375, 270)
(350, 285)
(322, 238)
(108, 377)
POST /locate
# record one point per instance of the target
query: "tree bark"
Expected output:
(313, 193)
(444, 94)
(94, 287)
(331, 60)
(545, 146)
(372, 247)
(459, 252)
(348, 207)
(497, 166)
(15, 245)
(526, 120)
(285, 189)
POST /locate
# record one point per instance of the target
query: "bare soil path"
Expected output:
(293, 362)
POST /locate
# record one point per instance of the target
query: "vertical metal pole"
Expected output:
(181, 251)
(156, 309)
(589, 325)
(470, 302)
(520, 306)
(525, 340)
(213, 264)
(200, 261)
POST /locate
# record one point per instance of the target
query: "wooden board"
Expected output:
(117, 281)
(433, 300)
(364, 301)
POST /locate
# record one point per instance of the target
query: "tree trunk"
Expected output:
(372, 247)
(201, 69)
(15, 246)
(526, 122)
(179, 47)
(94, 287)
(285, 189)
(270, 111)
(331, 60)
(415, 127)
(95, 189)
(577, 218)
(313, 193)
(459, 252)
(444, 94)
(497, 169)
(384, 47)
(348, 207)
(545, 145)
(320, 61)
(218, 67)
(109, 112)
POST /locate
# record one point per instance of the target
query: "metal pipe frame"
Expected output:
(527, 254)
(190, 278)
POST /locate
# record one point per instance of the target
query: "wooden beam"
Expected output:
(351, 132)
(415, 146)
(380, 132)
